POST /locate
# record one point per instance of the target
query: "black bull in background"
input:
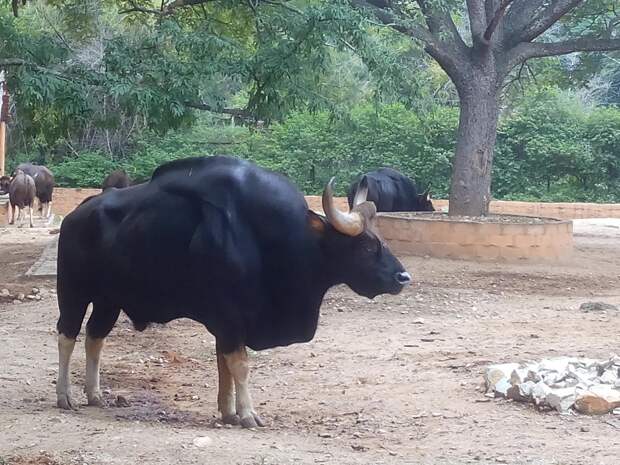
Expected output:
(220, 241)
(391, 191)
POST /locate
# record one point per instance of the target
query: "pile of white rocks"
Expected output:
(565, 384)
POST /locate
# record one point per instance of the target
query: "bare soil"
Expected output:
(492, 218)
(397, 380)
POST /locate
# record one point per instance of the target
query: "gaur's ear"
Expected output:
(316, 222)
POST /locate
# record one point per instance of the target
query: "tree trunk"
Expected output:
(470, 191)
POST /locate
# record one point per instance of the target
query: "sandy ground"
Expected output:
(394, 380)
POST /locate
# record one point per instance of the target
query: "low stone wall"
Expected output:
(548, 240)
(4, 210)
(561, 210)
(315, 203)
(66, 200)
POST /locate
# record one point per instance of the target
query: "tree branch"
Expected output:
(519, 16)
(237, 112)
(438, 22)
(526, 50)
(550, 15)
(497, 17)
(165, 9)
(584, 44)
(388, 18)
(446, 54)
(477, 19)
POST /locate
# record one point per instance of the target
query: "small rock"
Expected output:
(31, 297)
(539, 393)
(502, 387)
(35, 291)
(418, 321)
(597, 307)
(609, 376)
(561, 399)
(17, 301)
(598, 400)
(521, 392)
(519, 376)
(5, 293)
(20, 296)
(202, 441)
(121, 401)
(495, 373)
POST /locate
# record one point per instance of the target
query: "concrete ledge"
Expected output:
(418, 234)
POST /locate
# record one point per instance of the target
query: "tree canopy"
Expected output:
(105, 77)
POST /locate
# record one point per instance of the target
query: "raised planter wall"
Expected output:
(549, 240)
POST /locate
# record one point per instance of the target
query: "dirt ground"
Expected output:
(394, 380)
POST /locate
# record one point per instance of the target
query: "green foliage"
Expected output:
(87, 170)
(553, 147)
(309, 148)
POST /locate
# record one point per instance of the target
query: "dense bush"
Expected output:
(553, 147)
(550, 147)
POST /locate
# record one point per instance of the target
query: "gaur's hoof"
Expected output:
(96, 401)
(252, 421)
(64, 402)
(231, 419)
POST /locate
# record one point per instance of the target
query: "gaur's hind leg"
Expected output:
(99, 325)
(226, 390)
(237, 362)
(72, 311)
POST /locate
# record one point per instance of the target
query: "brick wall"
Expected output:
(561, 210)
(66, 200)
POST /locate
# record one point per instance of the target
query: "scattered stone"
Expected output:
(501, 387)
(20, 296)
(561, 399)
(495, 373)
(35, 291)
(599, 400)
(121, 401)
(586, 385)
(609, 376)
(17, 301)
(202, 441)
(597, 307)
(539, 393)
(5, 293)
(521, 392)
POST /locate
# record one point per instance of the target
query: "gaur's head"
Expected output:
(357, 255)
(425, 204)
(5, 182)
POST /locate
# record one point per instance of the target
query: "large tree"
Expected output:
(197, 54)
(497, 37)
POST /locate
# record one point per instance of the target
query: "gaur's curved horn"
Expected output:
(361, 193)
(351, 224)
